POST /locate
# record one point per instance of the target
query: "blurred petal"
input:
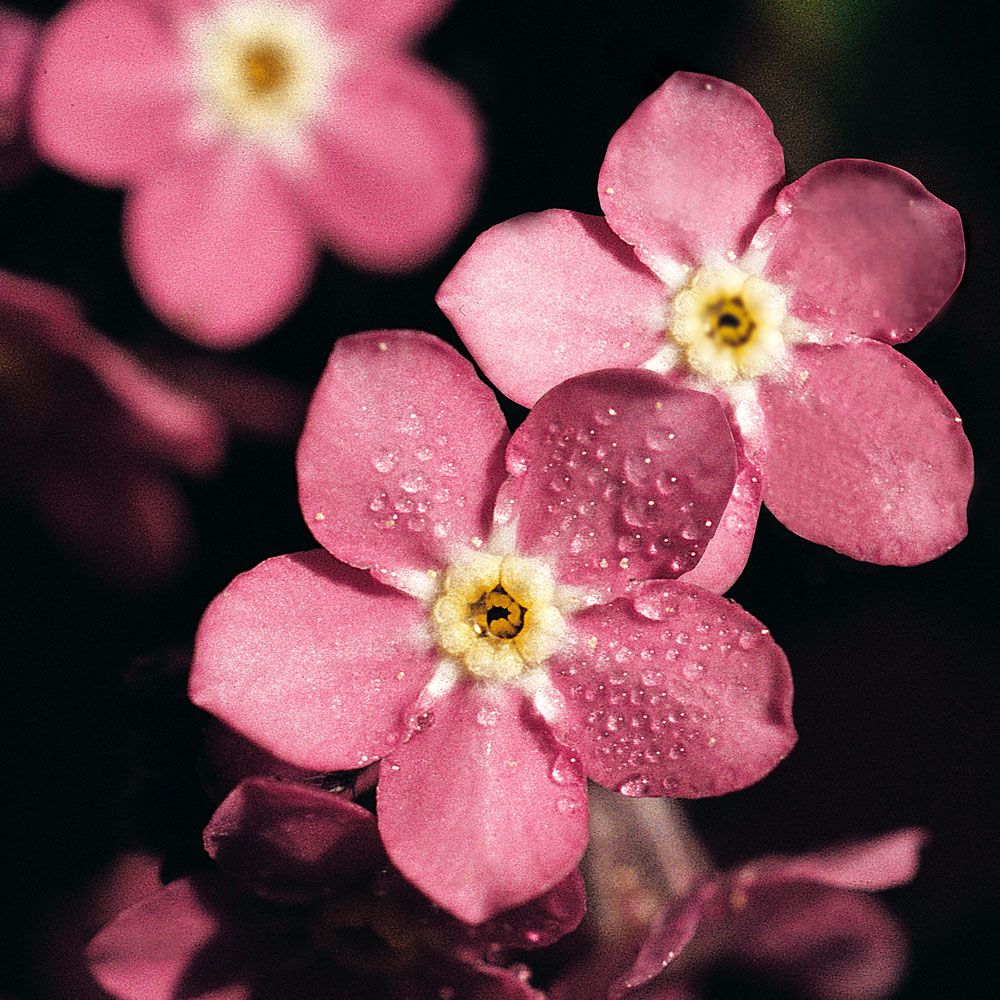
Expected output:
(395, 165)
(684, 695)
(864, 248)
(401, 454)
(19, 35)
(216, 247)
(543, 297)
(692, 173)
(623, 476)
(866, 455)
(291, 842)
(469, 810)
(380, 22)
(316, 662)
(108, 98)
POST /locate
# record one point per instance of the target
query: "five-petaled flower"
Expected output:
(807, 922)
(516, 633)
(784, 305)
(248, 131)
(308, 905)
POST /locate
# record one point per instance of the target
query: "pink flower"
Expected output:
(806, 922)
(18, 41)
(504, 645)
(783, 304)
(246, 132)
(309, 906)
(96, 441)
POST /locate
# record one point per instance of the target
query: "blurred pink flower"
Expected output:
(95, 440)
(507, 646)
(783, 302)
(308, 906)
(18, 42)
(247, 132)
(806, 922)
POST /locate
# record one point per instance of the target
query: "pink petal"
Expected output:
(622, 476)
(401, 454)
(315, 662)
(866, 455)
(879, 863)
(217, 248)
(727, 553)
(543, 297)
(153, 951)
(829, 944)
(382, 22)
(684, 695)
(108, 101)
(19, 37)
(396, 165)
(864, 248)
(692, 173)
(292, 842)
(469, 810)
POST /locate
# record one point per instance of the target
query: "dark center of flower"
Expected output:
(730, 321)
(365, 935)
(266, 68)
(496, 613)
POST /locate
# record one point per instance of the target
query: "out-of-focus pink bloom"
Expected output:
(516, 633)
(806, 922)
(247, 132)
(783, 302)
(95, 440)
(18, 41)
(309, 906)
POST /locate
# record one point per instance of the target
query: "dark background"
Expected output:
(894, 668)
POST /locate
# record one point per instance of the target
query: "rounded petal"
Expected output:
(401, 456)
(469, 810)
(864, 248)
(395, 165)
(218, 249)
(623, 476)
(108, 98)
(866, 455)
(315, 662)
(191, 940)
(727, 553)
(692, 173)
(381, 22)
(543, 297)
(292, 842)
(684, 694)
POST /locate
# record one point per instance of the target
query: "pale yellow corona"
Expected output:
(728, 324)
(496, 615)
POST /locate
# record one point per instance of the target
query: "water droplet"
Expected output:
(487, 715)
(567, 769)
(567, 805)
(385, 462)
(692, 671)
(634, 787)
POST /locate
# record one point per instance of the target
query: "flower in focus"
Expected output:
(246, 132)
(95, 440)
(18, 41)
(307, 905)
(515, 634)
(785, 305)
(806, 922)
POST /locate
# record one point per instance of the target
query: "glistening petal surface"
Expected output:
(621, 476)
(216, 247)
(313, 660)
(692, 173)
(395, 165)
(469, 810)
(108, 97)
(684, 694)
(401, 455)
(866, 455)
(543, 297)
(864, 248)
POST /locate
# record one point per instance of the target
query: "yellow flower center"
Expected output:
(266, 68)
(496, 615)
(729, 324)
